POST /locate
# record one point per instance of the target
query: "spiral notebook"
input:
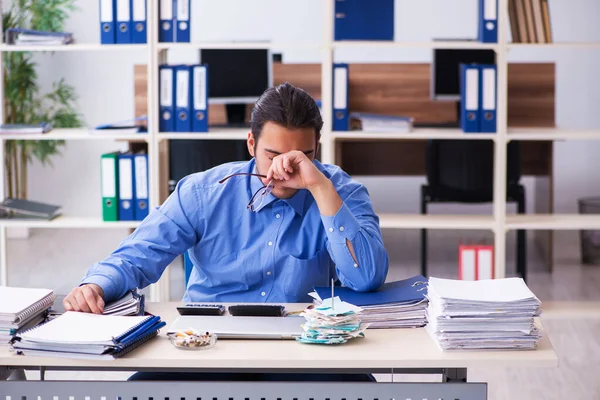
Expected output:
(20, 304)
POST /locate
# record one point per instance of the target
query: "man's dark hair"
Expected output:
(288, 106)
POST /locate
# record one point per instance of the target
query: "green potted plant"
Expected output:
(23, 102)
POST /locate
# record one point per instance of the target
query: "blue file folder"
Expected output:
(183, 21)
(183, 95)
(140, 167)
(138, 15)
(166, 98)
(107, 22)
(166, 21)
(123, 8)
(470, 93)
(341, 122)
(364, 20)
(126, 187)
(488, 21)
(200, 98)
(487, 104)
(411, 290)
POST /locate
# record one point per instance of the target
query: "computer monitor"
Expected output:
(237, 77)
(445, 68)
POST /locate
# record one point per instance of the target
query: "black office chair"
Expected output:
(462, 171)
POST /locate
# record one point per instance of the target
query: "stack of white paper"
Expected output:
(21, 309)
(485, 314)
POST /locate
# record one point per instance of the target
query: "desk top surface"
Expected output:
(380, 349)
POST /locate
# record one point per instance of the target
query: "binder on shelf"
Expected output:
(475, 262)
(107, 22)
(167, 99)
(488, 21)
(469, 97)
(487, 106)
(165, 30)
(123, 34)
(109, 171)
(140, 168)
(364, 20)
(183, 94)
(126, 185)
(200, 98)
(341, 121)
(182, 32)
(138, 32)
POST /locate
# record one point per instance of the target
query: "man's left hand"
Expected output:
(295, 170)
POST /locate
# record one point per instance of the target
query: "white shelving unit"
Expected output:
(499, 222)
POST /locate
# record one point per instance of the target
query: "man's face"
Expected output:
(274, 140)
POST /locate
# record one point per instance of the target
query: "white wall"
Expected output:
(107, 94)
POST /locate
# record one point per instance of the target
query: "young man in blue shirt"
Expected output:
(267, 230)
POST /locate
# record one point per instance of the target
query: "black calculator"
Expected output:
(201, 309)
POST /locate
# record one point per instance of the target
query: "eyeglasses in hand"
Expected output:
(257, 198)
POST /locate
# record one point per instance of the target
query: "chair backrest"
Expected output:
(468, 165)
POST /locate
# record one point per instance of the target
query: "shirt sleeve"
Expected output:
(141, 258)
(357, 222)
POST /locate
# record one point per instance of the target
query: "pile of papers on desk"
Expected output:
(133, 303)
(84, 335)
(399, 304)
(490, 314)
(21, 309)
(333, 322)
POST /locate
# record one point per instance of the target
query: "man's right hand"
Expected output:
(85, 298)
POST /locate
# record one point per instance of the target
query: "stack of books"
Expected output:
(89, 336)
(30, 37)
(399, 304)
(22, 309)
(492, 314)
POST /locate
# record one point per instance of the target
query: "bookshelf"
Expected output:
(156, 53)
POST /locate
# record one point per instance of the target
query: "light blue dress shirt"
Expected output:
(276, 254)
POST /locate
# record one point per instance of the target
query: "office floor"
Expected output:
(59, 258)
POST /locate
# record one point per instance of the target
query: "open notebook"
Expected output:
(76, 334)
(20, 304)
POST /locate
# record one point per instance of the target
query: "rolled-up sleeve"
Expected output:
(141, 258)
(357, 223)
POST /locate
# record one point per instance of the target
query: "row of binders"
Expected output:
(478, 97)
(530, 21)
(183, 105)
(123, 21)
(124, 177)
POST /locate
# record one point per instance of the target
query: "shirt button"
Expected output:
(355, 265)
(263, 294)
(268, 272)
(341, 229)
(278, 216)
(330, 229)
(270, 243)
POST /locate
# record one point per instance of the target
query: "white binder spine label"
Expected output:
(139, 10)
(141, 173)
(489, 89)
(123, 10)
(108, 178)
(484, 264)
(199, 88)
(125, 181)
(468, 265)
(106, 11)
(489, 10)
(472, 89)
(183, 86)
(340, 78)
(183, 11)
(166, 9)
(166, 87)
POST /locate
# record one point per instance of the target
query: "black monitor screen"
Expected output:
(446, 64)
(237, 73)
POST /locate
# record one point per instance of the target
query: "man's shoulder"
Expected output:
(211, 177)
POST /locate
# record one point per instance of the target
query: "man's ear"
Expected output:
(317, 146)
(251, 142)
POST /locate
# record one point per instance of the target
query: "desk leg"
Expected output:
(454, 375)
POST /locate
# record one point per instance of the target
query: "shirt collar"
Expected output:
(296, 201)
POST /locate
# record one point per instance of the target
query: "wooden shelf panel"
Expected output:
(76, 47)
(78, 134)
(553, 221)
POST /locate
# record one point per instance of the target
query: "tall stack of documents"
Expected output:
(399, 304)
(84, 335)
(21, 309)
(491, 314)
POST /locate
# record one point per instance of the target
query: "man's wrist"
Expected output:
(323, 184)
(96, 288)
